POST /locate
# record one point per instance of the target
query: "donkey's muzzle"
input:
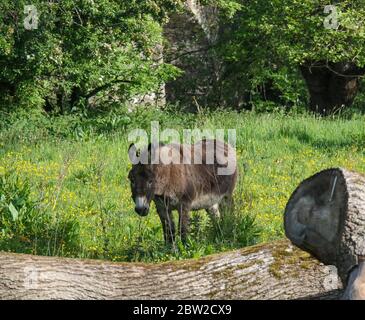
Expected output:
(142, 206)
(142, 211)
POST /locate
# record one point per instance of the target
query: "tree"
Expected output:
(325, 43)
(81, 48)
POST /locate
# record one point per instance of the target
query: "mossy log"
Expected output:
(269, 271)
(325, 216)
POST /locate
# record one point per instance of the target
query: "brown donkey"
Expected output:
(183, 178)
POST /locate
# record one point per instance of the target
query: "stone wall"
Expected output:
(190, 38)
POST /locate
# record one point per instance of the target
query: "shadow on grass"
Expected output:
(320, 142)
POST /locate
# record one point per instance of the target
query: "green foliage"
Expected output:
(264, 43)
(80, 49)
(96, 54)
(26, 226)
(236, 228)
(294, 31)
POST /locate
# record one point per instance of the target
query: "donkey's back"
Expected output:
(212, 173)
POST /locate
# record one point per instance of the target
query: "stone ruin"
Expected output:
(189, 37)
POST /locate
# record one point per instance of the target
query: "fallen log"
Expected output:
(275, 270)
(325, 216)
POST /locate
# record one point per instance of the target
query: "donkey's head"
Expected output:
(142, 179)
(142, 182)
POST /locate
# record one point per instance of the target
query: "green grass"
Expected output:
(74, 197)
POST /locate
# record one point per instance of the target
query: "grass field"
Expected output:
(64, 188)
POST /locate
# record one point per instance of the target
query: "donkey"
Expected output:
(184, 178)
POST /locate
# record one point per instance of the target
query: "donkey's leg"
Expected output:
(213, 211)
(184, 219)
(215, 215)
(170, 230)
(227, 204)
(167, 222)
(168, 227)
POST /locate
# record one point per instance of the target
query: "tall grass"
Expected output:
(77, 196)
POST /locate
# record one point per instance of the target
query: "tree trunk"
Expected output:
(326, 217)
(7, 88)
(270, 271)
(331, 85)
(76, 94)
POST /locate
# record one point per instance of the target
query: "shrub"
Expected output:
(28, 227)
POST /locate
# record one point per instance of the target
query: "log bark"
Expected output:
(326, 217)
(270, 271)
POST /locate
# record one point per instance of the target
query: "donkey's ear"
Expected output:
(149, 148)
(153, 152)
(132, 145)
(133, 153)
